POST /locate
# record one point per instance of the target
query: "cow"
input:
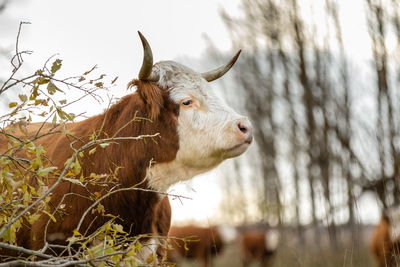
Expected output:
(385, 242)
(196, 132)
(199, 243)
(258, 246)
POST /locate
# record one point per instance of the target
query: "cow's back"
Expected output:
(253, 244)
(382, 247)
(195, 242)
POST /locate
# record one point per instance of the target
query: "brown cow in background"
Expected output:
(258, 246)
(385, 242)
(200, 243)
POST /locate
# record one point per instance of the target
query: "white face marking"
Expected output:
(208, 129)
(228, 233)
(394, 219)
(271, 240)
(56, 236)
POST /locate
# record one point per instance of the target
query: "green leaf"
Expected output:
(99, 84)
(74, 181)
(77, 167)
(92, 151)
(56, 65)
(42, 80)
(54, 122)
(103, 145)
(138, 246)
(42, 102)
(70, 116)
(44, 172)
(51, 88)
(89, 71)
(119, 228)
(34, 93)
(12, 104)
(33, 218)
(61, 113)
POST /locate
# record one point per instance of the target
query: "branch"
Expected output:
(24, 250)
(19, 57)
(121, 190)
(67, 167)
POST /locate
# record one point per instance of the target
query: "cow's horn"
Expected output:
(146, 71)
(215, 74)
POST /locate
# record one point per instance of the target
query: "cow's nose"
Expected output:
(246, 129)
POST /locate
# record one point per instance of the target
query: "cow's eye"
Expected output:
(187, 102)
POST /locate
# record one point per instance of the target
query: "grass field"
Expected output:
(297, 255)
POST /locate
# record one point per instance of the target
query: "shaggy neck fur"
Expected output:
(128, 159)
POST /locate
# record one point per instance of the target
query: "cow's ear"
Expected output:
(151, 95)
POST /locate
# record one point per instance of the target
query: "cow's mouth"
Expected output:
(236, 150)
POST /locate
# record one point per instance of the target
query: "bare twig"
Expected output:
(63, 173)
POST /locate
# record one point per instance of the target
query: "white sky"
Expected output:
(89, 32)
(102, 32)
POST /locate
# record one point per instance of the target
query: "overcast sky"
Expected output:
(101, 32)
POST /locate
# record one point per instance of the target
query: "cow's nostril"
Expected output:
(243, 127)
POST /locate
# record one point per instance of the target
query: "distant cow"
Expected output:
(385, 242)
(258, 246)
(200, 243)
(196, 133)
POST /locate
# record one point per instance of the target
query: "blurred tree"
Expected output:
(387, 124)
(3, 5)
(316, 149)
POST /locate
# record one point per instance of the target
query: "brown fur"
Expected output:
(201, 242)
(139, 212)
(162, 213)
(382, 247)
(253, 248)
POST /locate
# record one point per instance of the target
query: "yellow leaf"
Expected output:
(77, 167)
(92, 151)
(33, 218)
(76, 232)
(150, 259)
(51, 216)
(54, 122)
(97, 195)
(131, 253)
(12, 104)
(23, 98)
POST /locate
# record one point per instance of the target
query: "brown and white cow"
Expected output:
(385, 242)
(199, 243)
(197, 131)
(258, 246)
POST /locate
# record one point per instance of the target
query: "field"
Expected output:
(295, 257)
(291, 253)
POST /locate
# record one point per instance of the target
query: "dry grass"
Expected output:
(299, 256)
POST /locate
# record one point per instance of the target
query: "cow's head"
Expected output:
(209, 131)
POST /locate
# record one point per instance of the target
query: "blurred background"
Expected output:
(318, 79)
